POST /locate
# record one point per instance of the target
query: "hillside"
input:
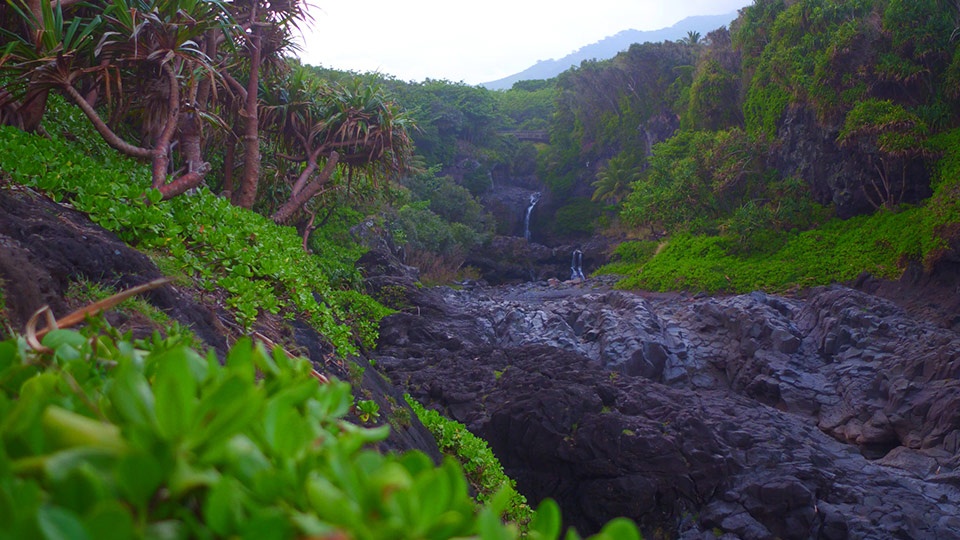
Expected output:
(609, 47)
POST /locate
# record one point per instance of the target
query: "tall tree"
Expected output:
(324, 126)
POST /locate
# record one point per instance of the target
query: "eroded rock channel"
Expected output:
(752, 416)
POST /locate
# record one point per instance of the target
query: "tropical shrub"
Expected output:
(103, 437)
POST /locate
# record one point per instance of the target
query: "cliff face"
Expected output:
(840, 178)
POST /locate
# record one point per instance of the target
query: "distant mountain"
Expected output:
(609, 47)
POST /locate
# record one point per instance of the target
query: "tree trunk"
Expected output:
(299, 199)
(249, 183)
(229, 159)
(161, 151)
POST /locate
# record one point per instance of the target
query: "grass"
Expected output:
(880, 244)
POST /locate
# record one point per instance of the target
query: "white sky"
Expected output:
(476, 42)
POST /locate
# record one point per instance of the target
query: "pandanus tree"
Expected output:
(148, 57)
(325, 126)
(267, 27)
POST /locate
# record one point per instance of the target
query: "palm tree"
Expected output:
(267, 36)
(614, 179)
(692, 38)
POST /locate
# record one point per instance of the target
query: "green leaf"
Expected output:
(546, 522)
(225, 411)
(223, 508)
(154, 196)
(110, 520)
(240, 359)
(58, 338)
(175, 388)
(619, 529)
(131, 396)
(139, 475)
(60, 524)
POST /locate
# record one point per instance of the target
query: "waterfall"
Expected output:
(534, 199)
(576, 265)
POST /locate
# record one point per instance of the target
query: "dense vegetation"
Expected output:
(698, 140)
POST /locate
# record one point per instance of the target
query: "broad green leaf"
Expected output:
(138, 476)
(67, 429)
(546, 523)
(186, 477)
(154, 196)
(490, 526)
(240, 359)
(175, 389)
(268, 524)
(110, 520)
(60, 524)
(223, 508)
(229, 408)
(58, 338)
(131, 396)
(619, 529)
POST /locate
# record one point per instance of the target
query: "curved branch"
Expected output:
(296, 201)
(185, 182)
(108, 135)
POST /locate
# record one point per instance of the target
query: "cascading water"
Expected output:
(576, 265)
(534, 199)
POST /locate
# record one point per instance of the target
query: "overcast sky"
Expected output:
(476, 42)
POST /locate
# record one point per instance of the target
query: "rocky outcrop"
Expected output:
(837, 177)
(756, 416)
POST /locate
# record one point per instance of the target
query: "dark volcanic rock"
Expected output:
(837, 177)
(752, 415)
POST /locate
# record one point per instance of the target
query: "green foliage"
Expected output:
(894, 130)
(614, 179)
(695, 179)
(940, 225)
(579, 217)
(712, 98)
(368, 410)
(107, 438)
(837, 251)
(482, 468)
(528, 105)
(261, 266)
(628, 256)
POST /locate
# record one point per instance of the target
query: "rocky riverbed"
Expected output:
(834, 415)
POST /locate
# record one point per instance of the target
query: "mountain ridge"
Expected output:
(609, 46)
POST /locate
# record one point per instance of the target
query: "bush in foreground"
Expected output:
(104, 437)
